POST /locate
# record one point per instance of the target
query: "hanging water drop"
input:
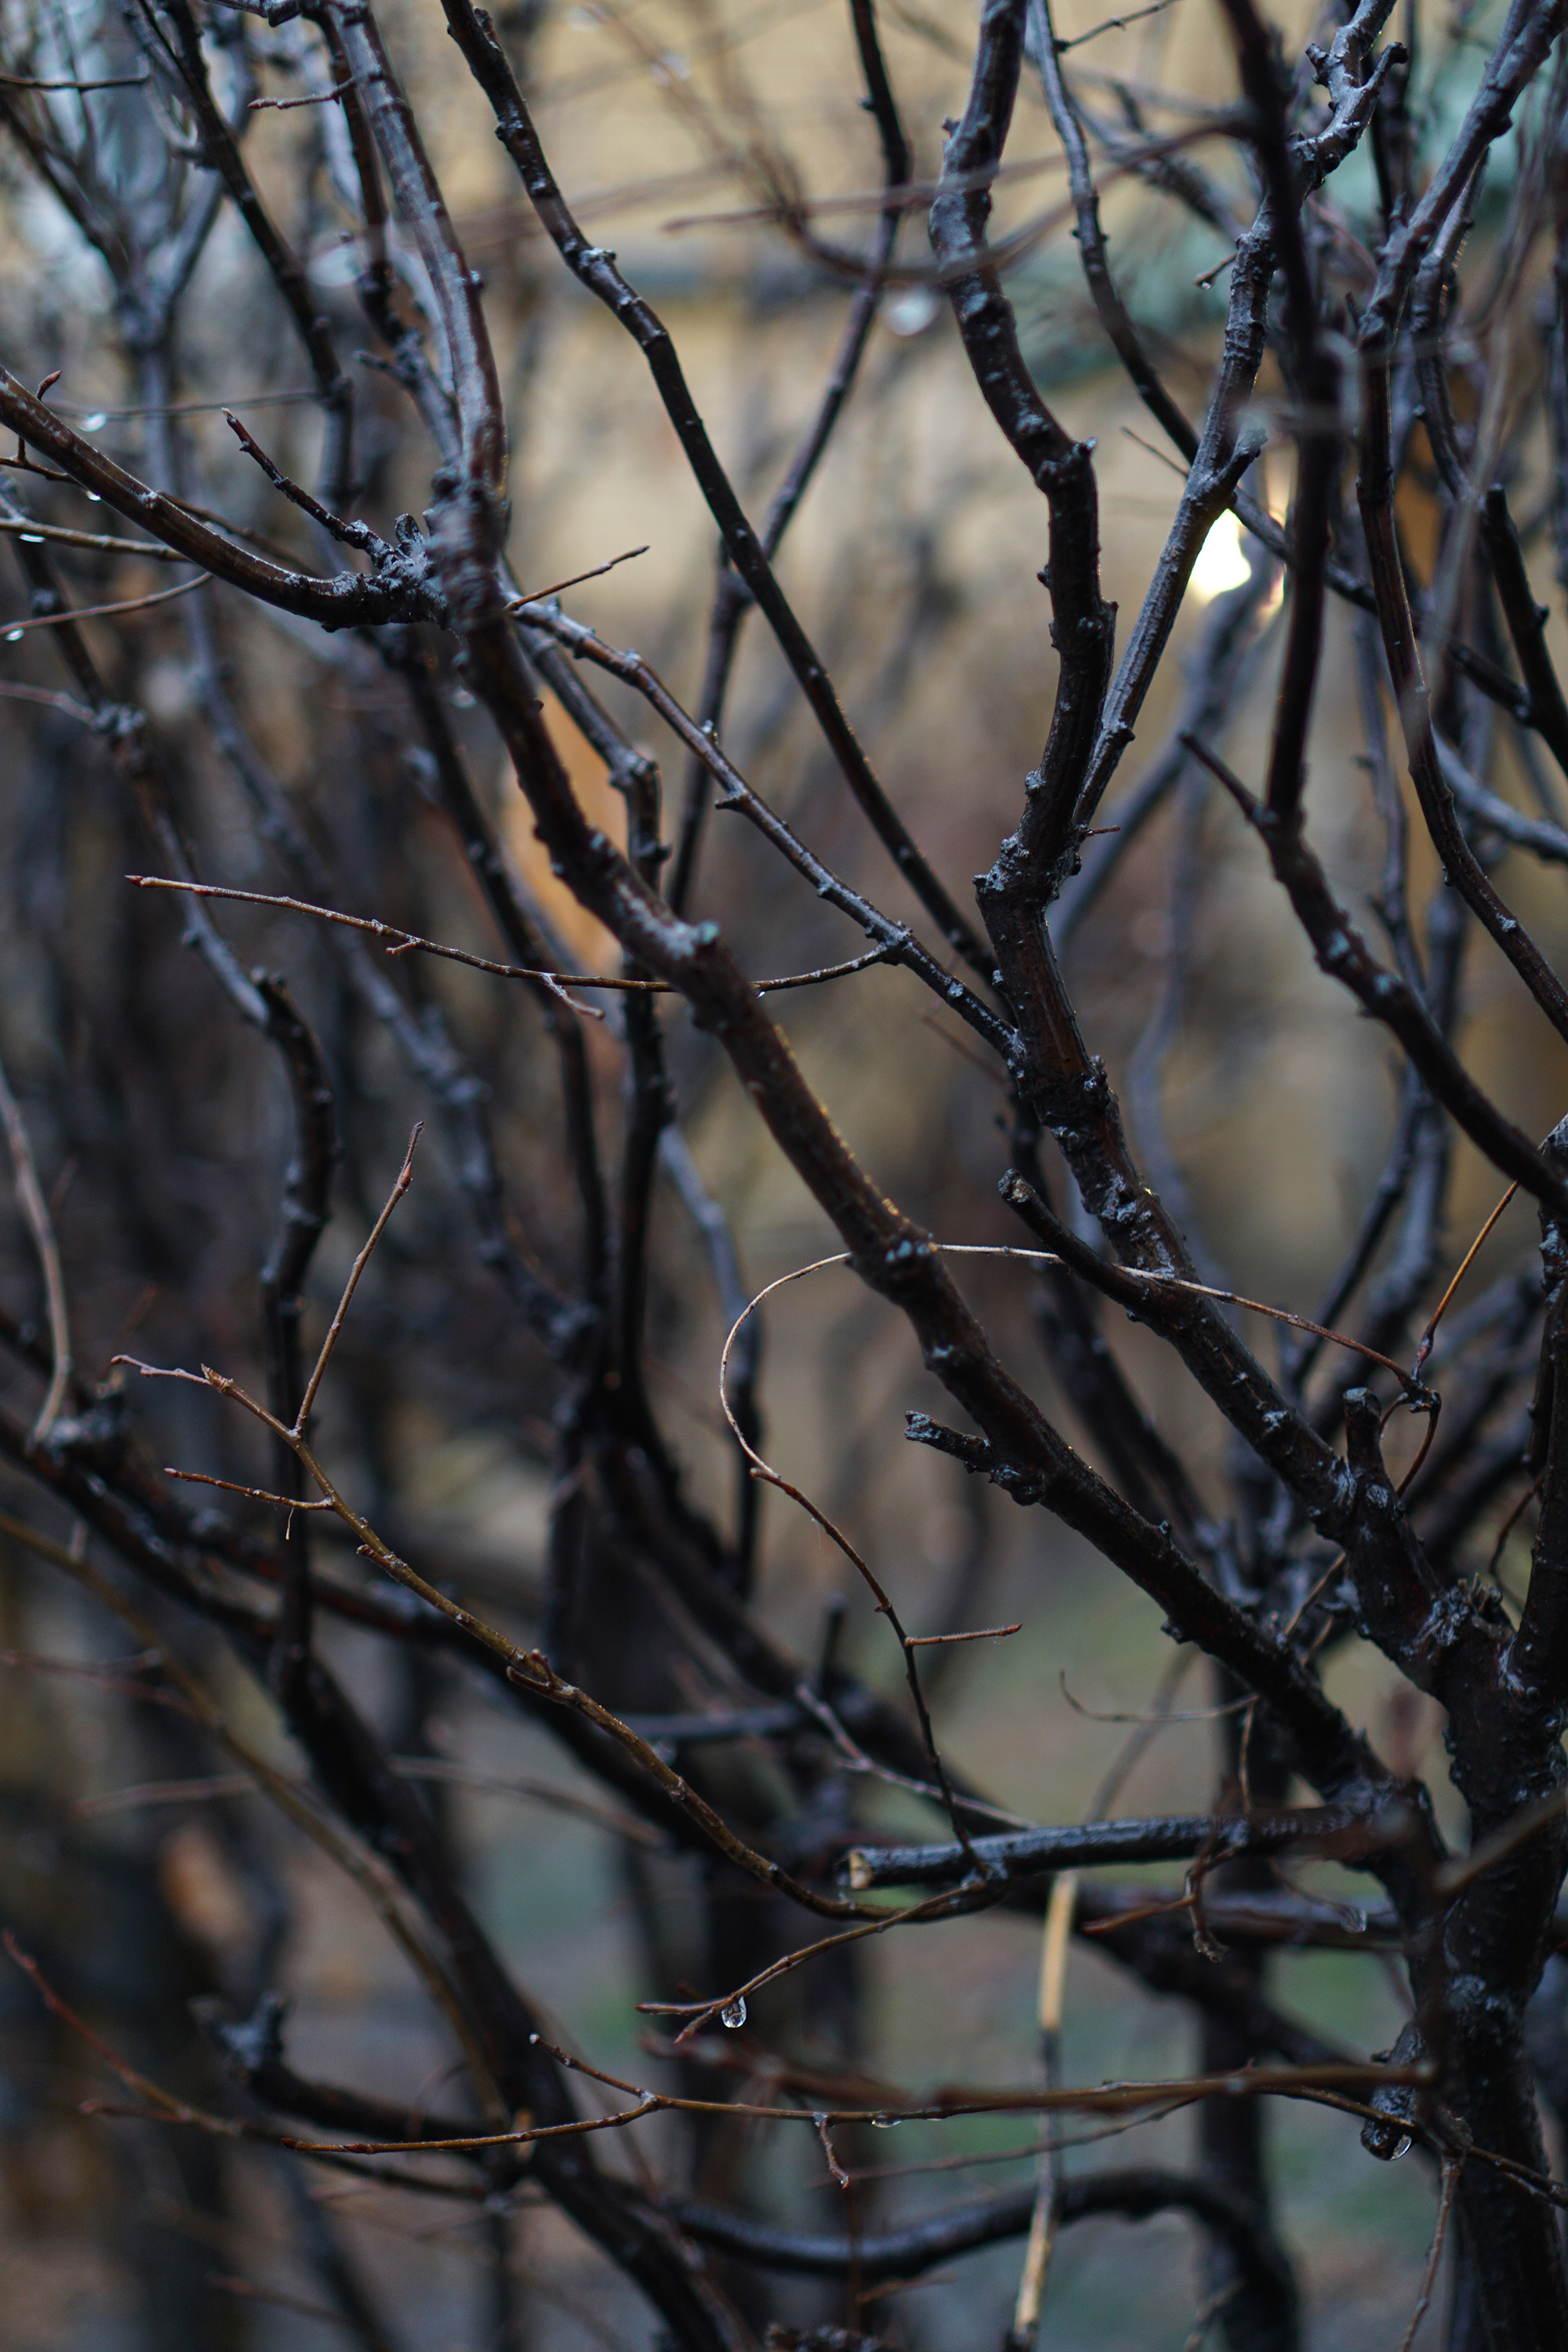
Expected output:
(733, 2012)
(1404, 2148)
(886, 2123)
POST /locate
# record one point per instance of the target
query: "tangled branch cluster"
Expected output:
(1361, 339)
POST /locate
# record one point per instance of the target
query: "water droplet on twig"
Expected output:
(733, 2013)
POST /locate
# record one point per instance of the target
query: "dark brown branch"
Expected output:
(899, 942)
(1460, 864)
(306, 1195)
(221, 154)
(890, 1253)
(920, 2245)
(402, 591)
(1347, 1834)
(1082, 623)
(731, 596)
(594, 268)
(1343, 954)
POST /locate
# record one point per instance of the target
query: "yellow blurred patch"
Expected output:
(594, 947)
(200, 1887)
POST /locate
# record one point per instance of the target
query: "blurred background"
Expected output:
(710, 142)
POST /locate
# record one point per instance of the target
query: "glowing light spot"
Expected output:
(912, 312)
(1221, 564)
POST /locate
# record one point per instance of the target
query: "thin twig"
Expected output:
(112, 81)
(1450, 2181)
(12, 630)
(22, 527)
(1321, 2084)
(405, 1177)
(980, 1633)
(772, 1477)
(232, 1486)
(1430, 1333)
(287, 105)
(542, 596)
(401, 942)
(1112, 24)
